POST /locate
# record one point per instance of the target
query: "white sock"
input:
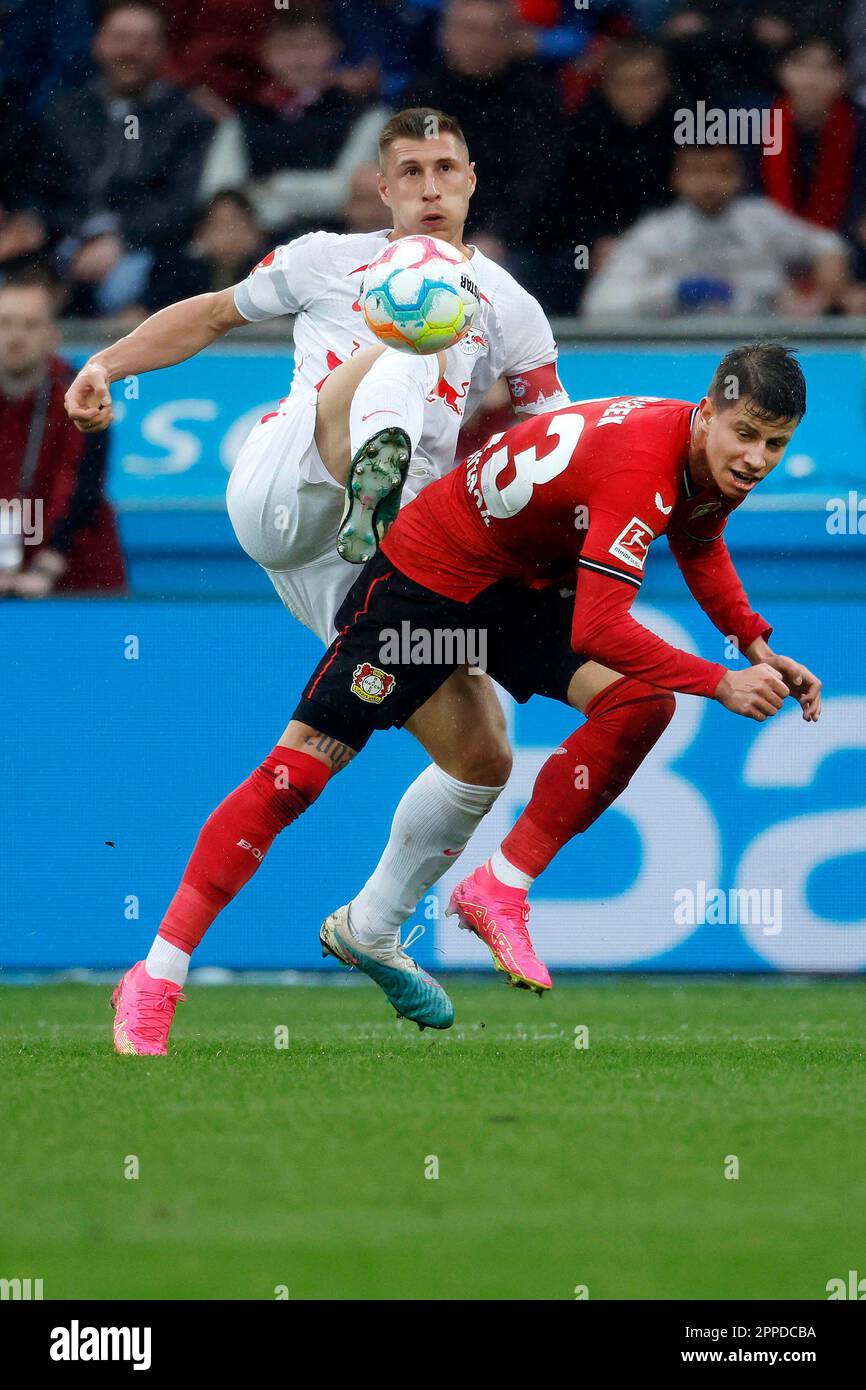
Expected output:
(507, 873)
(436, 814)
(167, 962)
(392, 393)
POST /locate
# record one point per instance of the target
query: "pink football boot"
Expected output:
(498, 915)
(143, 1009)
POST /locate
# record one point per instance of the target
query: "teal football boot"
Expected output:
(413, 993)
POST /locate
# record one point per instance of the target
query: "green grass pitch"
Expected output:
(558, 1167)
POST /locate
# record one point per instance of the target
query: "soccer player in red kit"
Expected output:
(538, 542)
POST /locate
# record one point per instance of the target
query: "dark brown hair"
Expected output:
(418, 123)
(768, 375)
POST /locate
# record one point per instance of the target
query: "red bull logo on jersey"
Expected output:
(632, 543)
(371, 684)
(451, 395)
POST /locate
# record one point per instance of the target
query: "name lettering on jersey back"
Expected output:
(618, 411)
(472, 480)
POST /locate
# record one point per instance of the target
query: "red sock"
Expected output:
(594, 765)
(236, 837)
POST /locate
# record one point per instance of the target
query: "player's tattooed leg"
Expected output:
(338, 754)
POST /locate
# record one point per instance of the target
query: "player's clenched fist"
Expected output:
(757, 693)
(88, 400)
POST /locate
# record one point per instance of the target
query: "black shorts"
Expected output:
(398, 642)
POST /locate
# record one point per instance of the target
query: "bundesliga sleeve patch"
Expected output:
(632, 543)
(371, 684)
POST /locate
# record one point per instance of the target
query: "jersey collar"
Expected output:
(688, 481)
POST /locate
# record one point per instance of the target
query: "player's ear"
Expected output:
(706, 411)
(472, 178)
(382, 185)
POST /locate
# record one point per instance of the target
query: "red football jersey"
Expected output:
(578, 496)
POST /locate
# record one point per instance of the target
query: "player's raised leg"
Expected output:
(369, 420)
(624, 720)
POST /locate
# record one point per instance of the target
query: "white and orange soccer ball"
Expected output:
(419, 295)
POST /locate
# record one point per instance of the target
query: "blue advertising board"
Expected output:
(129, 721)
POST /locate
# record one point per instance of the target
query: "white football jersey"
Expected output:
(318, 277)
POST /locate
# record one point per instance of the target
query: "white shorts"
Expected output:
(286, 508)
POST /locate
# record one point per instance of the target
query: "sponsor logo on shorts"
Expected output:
(632, 543)
(371, 684)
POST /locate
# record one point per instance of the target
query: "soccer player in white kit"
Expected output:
(286, 502)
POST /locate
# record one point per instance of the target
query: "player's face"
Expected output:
(427, 185)
(741, 448)
(28, 335)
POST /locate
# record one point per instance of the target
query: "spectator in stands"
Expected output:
(298, 141)
(725, 54)
(819, 171)
(45, 49)
(615, 164)
(553, 30)
(51, 476)
(620, 150)
(364, 210)
(213, 50)
(26, 213)
(509, 112)
(384, 42)
(227, 243)
(717, 251)
(128, 152)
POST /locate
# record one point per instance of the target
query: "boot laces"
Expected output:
(402, 947)
(518, 919)
(148, 1024)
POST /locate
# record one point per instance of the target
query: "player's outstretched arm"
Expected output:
(800, 682)
(167, 337)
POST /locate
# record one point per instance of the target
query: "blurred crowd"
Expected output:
(154, 149)
(151, 149)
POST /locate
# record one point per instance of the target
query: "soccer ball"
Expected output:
(419, 295)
